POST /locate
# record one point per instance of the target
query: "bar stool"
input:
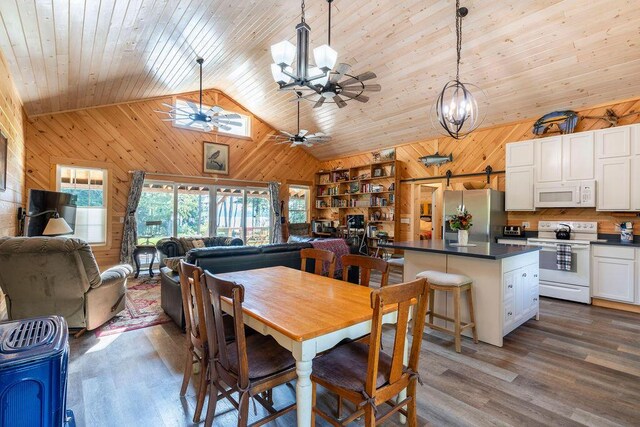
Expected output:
(456, 283)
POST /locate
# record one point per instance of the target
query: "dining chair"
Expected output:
(320, 256)
(368, 377)
(196, 331)
(249, 365)
(365, 264)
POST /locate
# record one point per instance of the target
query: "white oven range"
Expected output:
(571, 285)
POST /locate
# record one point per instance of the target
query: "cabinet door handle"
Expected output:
(535, 299)
(510, 286)
(535, 275)
(509, 313)
(524, 274)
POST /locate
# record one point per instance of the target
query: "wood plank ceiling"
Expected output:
(529, 56)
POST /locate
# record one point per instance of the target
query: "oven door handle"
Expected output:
(554, 246)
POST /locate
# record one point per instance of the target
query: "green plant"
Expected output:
(461, 220)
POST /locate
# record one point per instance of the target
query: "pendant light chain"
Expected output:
(302, 5)
(458, 39)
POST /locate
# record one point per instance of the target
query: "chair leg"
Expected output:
(188, 368)
(243, 412)
(369, 416)
(339, 408)
(472, 317)
(313, 404)
(213, 398)
(456, 318)
(432, 297)
(202, 390)
(412, 417)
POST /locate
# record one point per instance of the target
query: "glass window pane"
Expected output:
(298, 204)
(229, 208)
(154, 216)
(193, 211)
(258, 219)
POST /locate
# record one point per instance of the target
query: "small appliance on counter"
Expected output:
(512, 231)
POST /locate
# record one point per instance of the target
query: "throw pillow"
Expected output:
(173, 263)
(198, 243)
(187, 243)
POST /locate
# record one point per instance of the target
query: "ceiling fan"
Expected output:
(213, 117)
(302, 136)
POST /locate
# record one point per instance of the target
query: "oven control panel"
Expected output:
(578, 227)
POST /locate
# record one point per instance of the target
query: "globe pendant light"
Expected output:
(456, 108)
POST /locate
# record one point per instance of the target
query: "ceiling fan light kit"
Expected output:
(456, 108)
(213, 117)
(302, 136)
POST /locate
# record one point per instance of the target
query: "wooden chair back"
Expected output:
(217, 289)
(193, 307)
(320, 256)
(365, 264)
(403, 296)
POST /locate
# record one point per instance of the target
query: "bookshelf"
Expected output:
(371, 190)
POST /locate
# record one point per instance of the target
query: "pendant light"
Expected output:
(457, 109)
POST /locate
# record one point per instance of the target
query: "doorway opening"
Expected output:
(427, 214)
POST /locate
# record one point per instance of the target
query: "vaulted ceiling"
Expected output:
(529, 56)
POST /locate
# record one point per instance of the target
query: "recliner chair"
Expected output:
(59, 275)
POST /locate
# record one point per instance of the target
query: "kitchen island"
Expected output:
(505, 281)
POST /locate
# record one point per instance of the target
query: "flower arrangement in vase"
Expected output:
(461, 222)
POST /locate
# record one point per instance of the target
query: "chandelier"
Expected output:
(213, 117)
(456, 108)
(304, 76)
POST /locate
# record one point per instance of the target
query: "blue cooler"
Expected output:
(34, 360)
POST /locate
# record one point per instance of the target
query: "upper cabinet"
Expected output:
(548, 159)
(520, 154)
(614, 184)
(613, 142)
(577, 156)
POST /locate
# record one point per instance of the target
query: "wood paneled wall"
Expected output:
(131, 136)
(12, 126)
(487, 147)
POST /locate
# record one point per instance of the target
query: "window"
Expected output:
(244, 130)
(298, 204)
(180, 209)
(90, 187)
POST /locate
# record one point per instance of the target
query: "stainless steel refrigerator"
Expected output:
(487, 208)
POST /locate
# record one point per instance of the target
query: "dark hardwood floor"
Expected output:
(578, 365)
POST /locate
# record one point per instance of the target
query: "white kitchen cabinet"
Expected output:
(635, 140)
(520, 154)
(578, 156)
(613, 142)
(614, 184)
(635, 183)
(548, 159)
(614, 277)
(521, 295)
(519, 189)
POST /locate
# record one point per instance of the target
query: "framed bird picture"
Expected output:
(216, 158)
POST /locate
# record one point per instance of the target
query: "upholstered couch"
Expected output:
(58, 275)
(225, 259)
(175, 247)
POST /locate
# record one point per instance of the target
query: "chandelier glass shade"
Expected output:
(291, 68)
(456, 108)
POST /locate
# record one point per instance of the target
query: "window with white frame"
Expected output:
(244, 130)
(90, 187)
(298, 204)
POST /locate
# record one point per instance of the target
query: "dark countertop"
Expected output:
(635, 244)
(484, 250)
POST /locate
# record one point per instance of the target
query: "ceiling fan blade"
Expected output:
(232, 116)
(356, 96)
(173, 107)
(365, 88)
(303, 132)
(194, 107)
(319, 102)
(359, 78)
(163, 112)
(284, 132)
(339, 102)
(224, 127)
(341, 69)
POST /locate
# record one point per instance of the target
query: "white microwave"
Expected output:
(566, 194)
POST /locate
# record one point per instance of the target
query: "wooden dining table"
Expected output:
(306, 314)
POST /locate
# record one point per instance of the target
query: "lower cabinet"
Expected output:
(613, 274)
(521, 296)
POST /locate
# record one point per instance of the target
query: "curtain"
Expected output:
(274, 193)
(130, 231)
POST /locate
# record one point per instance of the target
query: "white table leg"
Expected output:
(304, 353)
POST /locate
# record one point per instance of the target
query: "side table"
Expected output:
(144, 250)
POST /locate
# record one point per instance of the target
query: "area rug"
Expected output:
(142, 308)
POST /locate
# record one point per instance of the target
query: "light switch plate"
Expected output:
(525, 224)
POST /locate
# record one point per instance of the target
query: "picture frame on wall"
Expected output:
(216, 158)
(4, 154)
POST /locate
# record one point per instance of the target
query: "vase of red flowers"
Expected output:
(461, 222)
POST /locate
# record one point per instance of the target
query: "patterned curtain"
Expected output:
(130, 231)
(274, 193)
